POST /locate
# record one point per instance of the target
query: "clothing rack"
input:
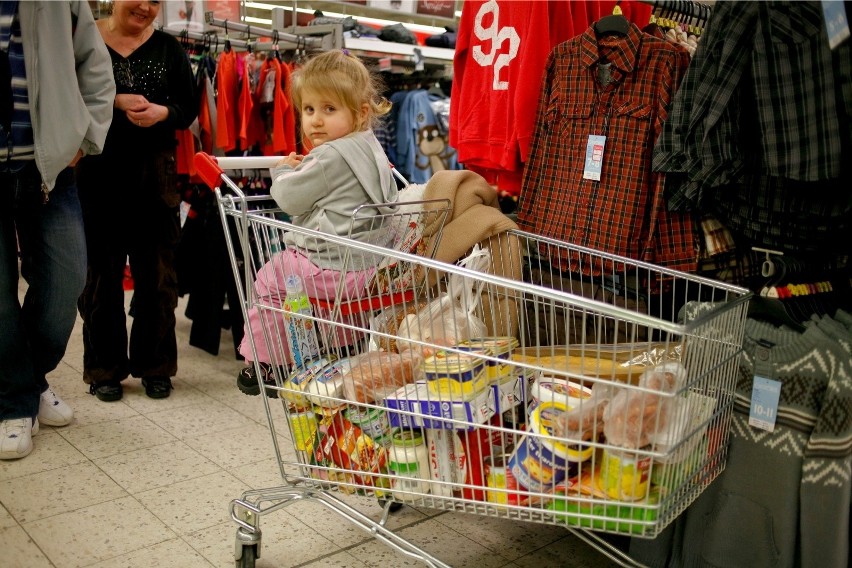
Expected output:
(696, 12)
(318, 38)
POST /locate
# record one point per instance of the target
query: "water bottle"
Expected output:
(300, 331)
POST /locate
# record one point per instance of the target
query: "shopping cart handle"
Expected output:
(208, 169)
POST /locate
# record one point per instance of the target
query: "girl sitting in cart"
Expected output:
(338, 101)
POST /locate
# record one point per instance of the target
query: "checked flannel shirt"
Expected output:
(624, 212)
(764, 92)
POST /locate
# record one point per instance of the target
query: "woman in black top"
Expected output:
(131, 207)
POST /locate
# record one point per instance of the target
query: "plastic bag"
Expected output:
(377, 374)
(634, 417)
(585, 421)
(451, 318)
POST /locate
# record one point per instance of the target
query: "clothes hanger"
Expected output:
(616, 24)
(767, 305)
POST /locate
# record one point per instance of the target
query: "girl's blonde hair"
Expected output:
(346, 79)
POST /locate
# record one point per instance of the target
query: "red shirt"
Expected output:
(622, 213)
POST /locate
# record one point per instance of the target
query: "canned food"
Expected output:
(562, 391)
(497, 346)
(372, 421)
(625, 475)
(457, 376)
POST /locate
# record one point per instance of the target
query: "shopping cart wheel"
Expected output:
(394, 505)
(248, 558)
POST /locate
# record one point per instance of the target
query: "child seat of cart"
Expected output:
(415, 228)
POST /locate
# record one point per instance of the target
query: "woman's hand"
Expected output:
(141, 112)
(292, 159)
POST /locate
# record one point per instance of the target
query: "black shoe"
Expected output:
(247, 381)
(157, 387)
(108, 391)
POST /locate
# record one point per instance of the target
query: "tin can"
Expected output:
(372, 421)
(456, 376)
(625, 475)
(498, 476)
(498, 346)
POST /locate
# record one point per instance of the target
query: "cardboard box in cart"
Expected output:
(428, 409)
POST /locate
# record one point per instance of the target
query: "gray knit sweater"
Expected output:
(784, 497)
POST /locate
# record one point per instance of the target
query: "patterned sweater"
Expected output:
(784, 497)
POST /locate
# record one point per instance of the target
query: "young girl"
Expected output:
(338, 101)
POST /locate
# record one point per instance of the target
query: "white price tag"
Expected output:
(764, 403)
(594, 157)
(836, 24)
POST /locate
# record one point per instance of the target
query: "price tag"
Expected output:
(836, 24)
(594, 157)
(764, 403)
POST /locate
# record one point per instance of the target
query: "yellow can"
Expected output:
(625, 475)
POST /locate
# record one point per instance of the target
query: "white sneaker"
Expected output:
(54, 411)
(16, 437)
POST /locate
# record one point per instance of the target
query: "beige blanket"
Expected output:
(475, 217)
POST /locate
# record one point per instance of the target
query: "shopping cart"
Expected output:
(594, 393)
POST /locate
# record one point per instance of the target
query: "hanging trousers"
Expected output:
(131, 211)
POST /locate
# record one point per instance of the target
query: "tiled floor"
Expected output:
(142, 483)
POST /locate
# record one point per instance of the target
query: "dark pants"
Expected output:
(34, 335)
(131, 210)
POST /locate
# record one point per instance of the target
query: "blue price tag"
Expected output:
(764, 403)
(594, 157)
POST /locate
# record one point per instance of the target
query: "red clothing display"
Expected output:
(623, 212)
(227, 94)
(280, 135)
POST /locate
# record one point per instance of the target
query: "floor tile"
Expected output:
(57, 491)
(173, 553)
(196, 504)
(232, 448)
(98, 532)
(158, 466)
(6, 519)
(567, 551)
(285, 542)
(20, 551)
(88, 410)
(183, 394)
(340, 560)
(509, 538)
(199, 419)
(117, 436)
(50, 451)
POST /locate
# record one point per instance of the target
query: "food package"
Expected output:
(585, 421)
(633, 417)
(376, 374)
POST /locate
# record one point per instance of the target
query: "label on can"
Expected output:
(625, 475)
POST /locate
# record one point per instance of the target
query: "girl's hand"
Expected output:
(130, 102)
(292, 159)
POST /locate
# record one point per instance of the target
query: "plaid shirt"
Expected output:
(745, 96)
(623, 213)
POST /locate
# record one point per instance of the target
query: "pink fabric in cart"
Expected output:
(318, 283)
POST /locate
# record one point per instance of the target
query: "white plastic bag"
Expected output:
(451, 318)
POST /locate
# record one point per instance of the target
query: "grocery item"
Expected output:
(540, 463)
(376, 374)
(625, 475)
(497, 346)
(555, 389)
(456, 376)
(408, 463)
(326, 388)
(303, 423)
(301, 333)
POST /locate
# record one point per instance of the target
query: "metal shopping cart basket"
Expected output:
(593, 393)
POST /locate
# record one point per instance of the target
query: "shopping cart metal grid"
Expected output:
(593, 393)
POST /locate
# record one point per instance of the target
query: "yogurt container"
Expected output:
(562, 391)
(456, 376)
(496, 346)
(539, 463)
